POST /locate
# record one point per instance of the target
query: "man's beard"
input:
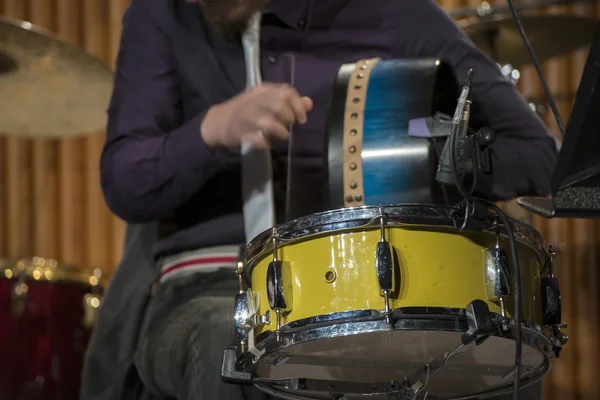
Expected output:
(229, 18)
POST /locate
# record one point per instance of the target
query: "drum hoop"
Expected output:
(534, 335)
(364, 217)
(48, 269)
(409, 318)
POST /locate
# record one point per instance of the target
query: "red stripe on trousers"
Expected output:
(200, 261)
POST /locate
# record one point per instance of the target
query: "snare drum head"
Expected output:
(367, 362)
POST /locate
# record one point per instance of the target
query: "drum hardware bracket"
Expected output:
(479, 322)
(394, 389)
(385, 267)
(552, 303)
(415, 390)
(561, 338)
(475, 216)
(279, 284)
(549, 261)
(229, 372)
(497, 273)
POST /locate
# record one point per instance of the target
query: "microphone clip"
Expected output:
(481, 155)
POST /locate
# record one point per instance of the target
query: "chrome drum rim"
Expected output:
(535, 337)
(396, 215)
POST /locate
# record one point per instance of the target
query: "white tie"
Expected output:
(257, 180)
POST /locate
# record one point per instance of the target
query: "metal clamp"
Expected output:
(479, 322)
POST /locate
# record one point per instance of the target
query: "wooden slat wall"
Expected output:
(51, 204)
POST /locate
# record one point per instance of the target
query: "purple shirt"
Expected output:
(154, 162)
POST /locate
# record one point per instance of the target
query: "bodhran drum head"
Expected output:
(382, 301)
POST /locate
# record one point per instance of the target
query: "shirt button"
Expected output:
(301, 23)
(272, 60)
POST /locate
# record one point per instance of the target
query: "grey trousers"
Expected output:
(188, 323)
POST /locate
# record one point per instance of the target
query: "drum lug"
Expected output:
(497, 276)
(279, 284)
(497, 272)
(385, 267)
(551, 301)
(479, 321)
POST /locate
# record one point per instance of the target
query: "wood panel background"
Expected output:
(51, 204)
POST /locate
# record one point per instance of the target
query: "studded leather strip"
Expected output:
(356, 98)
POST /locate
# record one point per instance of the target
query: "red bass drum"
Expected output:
(47, 311)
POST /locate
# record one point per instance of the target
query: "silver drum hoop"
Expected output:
(365, 217)
(412, 318)
(535, 336)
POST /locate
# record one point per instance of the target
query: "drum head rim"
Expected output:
(356, 218)
(409, 318)
(535, 336)
(275, 391)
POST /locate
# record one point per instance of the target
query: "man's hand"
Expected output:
(259, 115)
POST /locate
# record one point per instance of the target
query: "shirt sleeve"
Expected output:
(524, 153)
(152, 161)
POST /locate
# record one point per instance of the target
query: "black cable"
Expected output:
(513, 249)
(538, 67)
(561, 127)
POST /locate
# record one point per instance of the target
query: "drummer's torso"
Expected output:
(306, 54)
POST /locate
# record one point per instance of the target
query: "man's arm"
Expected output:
(523, 153)
(152, 162)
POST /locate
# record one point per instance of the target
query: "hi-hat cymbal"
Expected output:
(550, 35)
(49, 88)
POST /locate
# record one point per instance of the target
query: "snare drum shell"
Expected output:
(439, 267)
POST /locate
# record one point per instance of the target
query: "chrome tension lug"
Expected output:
(479, 321)
(385, 268)
(279, 285)
(551, 301)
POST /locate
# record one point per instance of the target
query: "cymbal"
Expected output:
(550, 35)
(48, 87)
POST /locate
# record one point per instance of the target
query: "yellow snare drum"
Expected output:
(372, 300)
